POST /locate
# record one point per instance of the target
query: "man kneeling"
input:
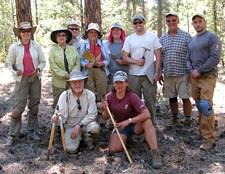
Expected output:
(131, 115)
(77, 107)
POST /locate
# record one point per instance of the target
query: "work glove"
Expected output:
(35, 75)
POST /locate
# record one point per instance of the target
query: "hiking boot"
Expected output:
(206, 146)
(10, 141)
(33, 136)
(109, 124)
(176, 121)
(156, 159)
(187, 122)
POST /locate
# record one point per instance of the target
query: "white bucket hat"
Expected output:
(94, 26)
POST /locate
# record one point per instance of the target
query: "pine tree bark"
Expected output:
(23, 12)
(92, 12)
(159, 18)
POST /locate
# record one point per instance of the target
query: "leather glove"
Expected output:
(35, 75)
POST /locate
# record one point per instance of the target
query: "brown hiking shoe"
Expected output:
(176, 121)
(187, 123)
(206, 146)
(156, 159)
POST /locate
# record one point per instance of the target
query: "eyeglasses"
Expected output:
(61, 35)
(78, 103)
(25, 31)
(172, 20)
(135, 23)
(73, 29)
(120, 73)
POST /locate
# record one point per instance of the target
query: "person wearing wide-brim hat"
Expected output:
(26, 60)
(96, 71)
(81, 118)
(63, 58)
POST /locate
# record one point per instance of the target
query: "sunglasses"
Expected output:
(172, 20)
(25, 31)
(76, 29)
(61, 35)
(120, 73)
(78, 103)
(135, 23)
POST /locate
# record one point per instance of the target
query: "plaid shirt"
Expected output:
(173, 53)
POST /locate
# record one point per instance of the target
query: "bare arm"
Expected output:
(157, 64)
(130, 60)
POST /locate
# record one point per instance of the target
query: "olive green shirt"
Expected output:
(57, 67)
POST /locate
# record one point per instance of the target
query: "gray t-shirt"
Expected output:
(115, 55)
(204, 53)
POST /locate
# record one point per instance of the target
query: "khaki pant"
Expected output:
(142, 86)
(25, 92)
(87, 131)
(56, 94)
(97, 82)
(203, 89)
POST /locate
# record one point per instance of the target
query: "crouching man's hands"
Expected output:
(54, 118)
(75, 131)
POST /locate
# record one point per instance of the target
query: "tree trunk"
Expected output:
(128, 10)
(92, 12)
(214, 16)
(81, 12)
(159, 18)
(143, 7)
(134, 7)
(23, 12)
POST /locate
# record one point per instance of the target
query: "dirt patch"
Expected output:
(180, 153)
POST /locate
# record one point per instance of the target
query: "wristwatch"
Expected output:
(80, 124)
(130, 120)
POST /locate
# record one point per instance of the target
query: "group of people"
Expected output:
(125, 69)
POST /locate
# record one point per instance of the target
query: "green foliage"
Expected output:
(53, 14)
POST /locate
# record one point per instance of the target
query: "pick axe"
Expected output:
(118, 133)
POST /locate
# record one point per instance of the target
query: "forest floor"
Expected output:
(180, 153)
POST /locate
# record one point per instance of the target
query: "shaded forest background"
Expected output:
(49, 15)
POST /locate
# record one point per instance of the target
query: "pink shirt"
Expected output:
(27, 61)
(127, 107)
(96, 50)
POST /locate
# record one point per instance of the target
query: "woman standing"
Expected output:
(131, 116)
(63, 58)
(115, 42)
(26, 61)
(96, 71)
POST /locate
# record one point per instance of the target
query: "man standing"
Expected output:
(204, 53)
(139, 50)
(173, 63)
(74, 27)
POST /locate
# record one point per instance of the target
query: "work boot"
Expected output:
(10, 141)
(33, 136)
(206, 146)
(176, 120)
(187, 122)
(156, 159)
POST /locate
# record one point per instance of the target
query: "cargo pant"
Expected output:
(203, 89)
(25, 92)
(97, 82)
(87, 131)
